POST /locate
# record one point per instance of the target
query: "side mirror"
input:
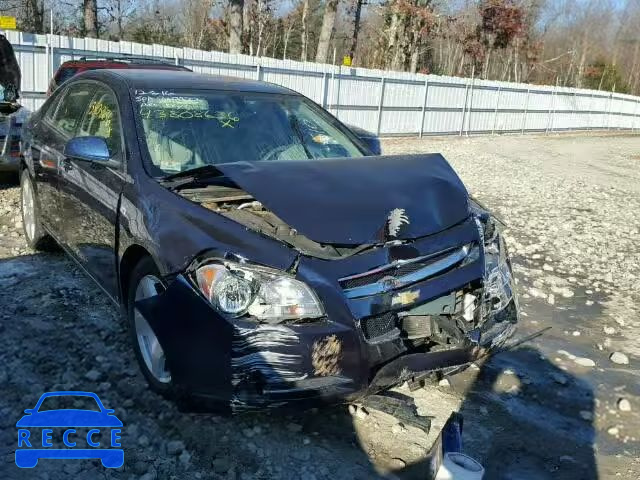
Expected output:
(29, 411)
(368, 138)
(90, 149)
(373, 143)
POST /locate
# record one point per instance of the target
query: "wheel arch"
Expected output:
(130, 258)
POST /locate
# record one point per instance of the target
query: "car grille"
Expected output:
(359, 281)
(405, 272)
(374, 327)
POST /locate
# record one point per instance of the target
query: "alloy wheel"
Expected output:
(28, 210)
(152, 353)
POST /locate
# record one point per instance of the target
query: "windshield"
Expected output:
(186, 130)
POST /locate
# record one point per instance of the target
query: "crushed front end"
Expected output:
(369, 321)
(330, 293)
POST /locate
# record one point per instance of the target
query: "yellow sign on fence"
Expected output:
(346, 61)
(8, 23)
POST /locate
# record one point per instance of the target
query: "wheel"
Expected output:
(35, 235)
(144, 283)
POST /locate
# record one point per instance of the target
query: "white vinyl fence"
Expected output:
(383, 102)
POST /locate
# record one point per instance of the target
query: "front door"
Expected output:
(90, 192)
(56, 126)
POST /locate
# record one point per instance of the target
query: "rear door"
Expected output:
(90, 191)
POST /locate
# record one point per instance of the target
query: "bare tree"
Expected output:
(326, 32)
(90, 14)
(33, 20)
(196, 17)
(263, 15)
(119, 11)
(288, 24)
(304, 36)
(356, 27)
(235, 25)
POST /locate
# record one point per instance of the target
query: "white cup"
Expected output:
(458, 466)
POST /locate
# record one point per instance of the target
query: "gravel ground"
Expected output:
(558, 407)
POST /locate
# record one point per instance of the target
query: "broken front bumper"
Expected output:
(242, 365)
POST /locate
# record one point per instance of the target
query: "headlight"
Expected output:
(499, 287)
(264, 293)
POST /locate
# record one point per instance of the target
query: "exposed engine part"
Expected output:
(415, 326)
(241, 207)
(442, 323)
(446, 331)
(469, 305)
(254, 205)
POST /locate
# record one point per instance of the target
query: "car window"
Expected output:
(68, 402)
(64, 74)
(50, 111)
(101, 119)
(185, 130)
(72, 106)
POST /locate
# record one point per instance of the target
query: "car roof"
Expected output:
(124, 62)
(143, 79)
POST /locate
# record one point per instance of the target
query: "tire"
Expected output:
(35, 235)
(144, 274)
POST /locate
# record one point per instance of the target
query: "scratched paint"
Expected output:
(254, 353)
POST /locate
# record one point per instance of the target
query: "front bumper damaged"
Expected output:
(238, 365)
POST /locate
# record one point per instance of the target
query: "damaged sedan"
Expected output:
(261, 254)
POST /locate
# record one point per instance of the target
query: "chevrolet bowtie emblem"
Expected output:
(405, 298)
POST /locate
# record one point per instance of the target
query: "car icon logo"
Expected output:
(44, 425)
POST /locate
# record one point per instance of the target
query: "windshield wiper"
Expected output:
(295, 126)
(189, 177)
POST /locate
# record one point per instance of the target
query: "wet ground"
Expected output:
(554, 408)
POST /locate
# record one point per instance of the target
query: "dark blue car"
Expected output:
(262, 253)
(36, 428)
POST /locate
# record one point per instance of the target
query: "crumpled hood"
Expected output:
(357, 200)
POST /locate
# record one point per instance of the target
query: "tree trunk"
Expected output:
(90, 9)
(328, 25)
(394, 27)
(485, 70)
(399, 58)
(235, 26)
(305, 33)
(120, 31)
(34, 16)
(415, 56)
(247, 40)
(287, 35)
(356, 29)
(262, 24)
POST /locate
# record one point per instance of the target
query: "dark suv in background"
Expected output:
(71, 68)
